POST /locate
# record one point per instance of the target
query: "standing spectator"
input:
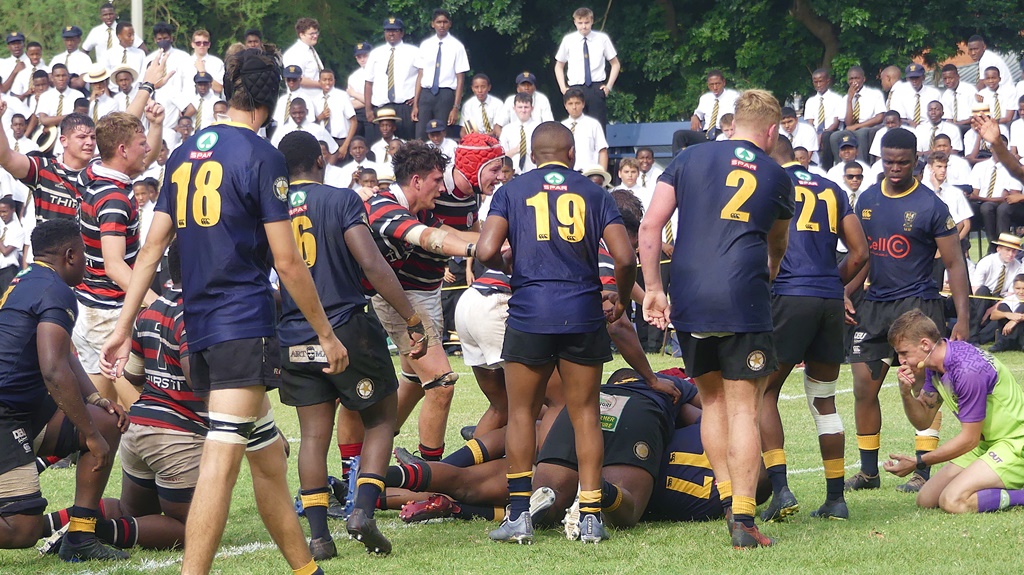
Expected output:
(824, 110)
(16, 62)
(442, 64)
(200, 106)
(293, 89)
(587, 133)
(22, 85)
(59, 100)
(124, 53)
(934, 126)
(202, 61)
(391, 77)
(77, 61)
(706, 122)
(1001, 100)
(864, 107)
(102, 37)
(356, 86)
(332, 109)
(996, 197)
(303, 53)
(586, 52)
(978, 50)
(526, 82)
(479, 113)
(912, 103)
(100, 102)
(12, 238)
(253, 38)
(517, 138)
(171, 86)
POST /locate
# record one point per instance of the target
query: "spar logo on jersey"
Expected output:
(207, 141)
(803, 176)
(296, 199)
(554, 178)
(745, 155)
(895, 246)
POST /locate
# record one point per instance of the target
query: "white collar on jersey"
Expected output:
(399, 195)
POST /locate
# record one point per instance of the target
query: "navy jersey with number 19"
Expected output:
(809, 267)
(729, 195)
(556, 220)
(220, 186)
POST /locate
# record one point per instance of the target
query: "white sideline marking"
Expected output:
(817, 469)
(783, 396)
(149, 564)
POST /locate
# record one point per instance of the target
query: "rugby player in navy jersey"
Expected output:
(225, 195)
(808, 314)
(44, 391)
(734, 204)
(330, 226)
(418, 245)
(905, 222)
(554, 219)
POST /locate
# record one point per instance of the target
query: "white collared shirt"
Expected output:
(306, 57)
(925, 131)
(342, 178)
(986, 273)
(7, 65)
(473, 111)
(122, 102)
(341, 110)
(23, 81)
(97, 39)
(132, 57)
(706, 107)
(989, 59)
(101, 107)
(206, 116)
(599, 49)
(78, 62)
(954, 198)
(804, 137)
(964, 98)
(971, 139)
(405, 72)
(1007, 100)
(834, 109)
(309, 126)
(958, 172)
(981, 177)
(904, 101)
(872, 103)
(454, 61)
(281, 113)
(380, 151)
(836, 173)
(588, 137)
(14, 235)
(510, 140)
(214, 67)
(541, 110)
(51, 99)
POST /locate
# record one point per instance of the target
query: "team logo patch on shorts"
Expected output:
(306, 354)
(641, 450)
(756, 360)
(364, 389)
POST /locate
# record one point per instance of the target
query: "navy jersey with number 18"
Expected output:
(220, 186)
(556, 219)
(729, 195)
(809, 267)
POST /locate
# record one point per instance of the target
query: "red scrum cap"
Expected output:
(474, 152)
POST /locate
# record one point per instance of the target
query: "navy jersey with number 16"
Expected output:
(729, 195)
(809, 267)
(220, 186)
(556, 220)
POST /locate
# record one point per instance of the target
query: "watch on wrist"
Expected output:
(921, 465)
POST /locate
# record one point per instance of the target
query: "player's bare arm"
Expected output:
(155, 116)
(778, 239)
(656, 309)
(852, 235)
(621, 249)
(488, 249)
(988, 128)
(949, 247)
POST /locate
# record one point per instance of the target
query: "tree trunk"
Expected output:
(670, 18)
(821, 29)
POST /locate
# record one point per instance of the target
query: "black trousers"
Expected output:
(433, 108)
(596, 107)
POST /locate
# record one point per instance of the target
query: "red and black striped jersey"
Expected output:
(54, 188)
(390, 221)
(107, 208)
(606, 267)
(492, 281)
(459, 213)
(167, 401)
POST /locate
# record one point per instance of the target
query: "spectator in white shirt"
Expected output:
(177, 62)
(298, 121)
(145, 190)
(957, 98)
(713, 104)
(864, 107)
(59, 100)
(480, 112)
(104, 36)
(978, 50)
(647, 179)
(293, 89)
(1017, 130)
(436, 130)
(12, 238)
(387, 122)
(332, 109)
(890, 121)
(996, 196)
(590, 143)
(958, 170)
(803, 157)
(303, 52)
(397, 89)
(847, 154)
(824, 110)
(516, 138)
(100, 101)
(124, 78)
(526, 82)
(580, 62)
(440, 81)
(347, 175)
(123, 53)
(629, 172)
(22, 86)
(16, 62)
(1001, 100)
(799, 133)
(912, 102)
(930, 129)
(77, 61)
(954, 198)
(356, 87)
(200, 106)
(202, 61)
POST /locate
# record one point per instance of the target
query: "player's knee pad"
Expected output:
(412, 377)
(264, 433)
(227, 428)
(442, 381)
(828, 423)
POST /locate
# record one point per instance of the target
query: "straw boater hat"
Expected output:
(386, 114)
(96, 74)
(596, 170)
(45, 137)
(1008, 241)
(129, 69)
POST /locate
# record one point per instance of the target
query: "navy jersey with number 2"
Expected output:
(556, 218)
(729, 195)
(220, 186)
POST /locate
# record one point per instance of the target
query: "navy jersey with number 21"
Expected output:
(556, 218)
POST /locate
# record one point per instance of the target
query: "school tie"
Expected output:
(1000, 281)
(917, 109)
(643, 180)
(127, 102)
(931, 141)
(287, 108)
(999, 109)
(95, 111)
(435, 87)
(17, 146)
(856, 109)
(124, 56)
(522, 147)
(487, 121)
(316, 58)
(572, 128)
(670, 238)
(327, 124)
(956, 107)
(60, 105)
(160, 176)
(67, 56)
(992, 182)
(587, 80)
(853, 199)
(199, 115)
(391, 76)
(888, 100)
(821, 113)
(714, 117)
(35, 109)
(110, 37)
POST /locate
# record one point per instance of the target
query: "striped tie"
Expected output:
(127, 102)
(853, 199)
(856, 109)
(714, 117)
(17, 146)
(287, 108)
(391, 76)
(931, 141)
(124, 56)
(487, 121)
(821, 111)
(572, 128)
(110, 37)
(643, 179)
(522, 147)
(1000, 281)
(998, 107)
(670, 238)
(956, 107)
(316, 58)
(992, 182)
(60, 105)
(95, 111)
(199, 115)
(917, 109)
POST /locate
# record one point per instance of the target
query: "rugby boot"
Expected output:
(51, 545)
(783, 505)
(364, 530)
(728, 520)
(322, 548)
(915, 484)
(91, 549)
(862, 481)
(592, 529)
(434, 507)
(467, 432)
(832, 509)
(541, 499)
(405, 457)
(571, 521)
(518, 531)
(335, 508)
(744, 537)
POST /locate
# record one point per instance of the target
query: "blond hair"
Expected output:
(581, 13)
(913, 326)
(756, 110)
(114, 130)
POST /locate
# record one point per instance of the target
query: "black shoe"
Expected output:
(783, 505)
(998, 347)
(323, 548)
(467, 432)
(91, 549)
(364, 530)
(335, 508)
(406, 458)
(744, 537)
(832, 509)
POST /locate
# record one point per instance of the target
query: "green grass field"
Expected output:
(886, 532)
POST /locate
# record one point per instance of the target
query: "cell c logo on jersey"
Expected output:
(364, 389)
(895, 246)
(207, 141)
(756, 360)
(641, 450)
(745, 155)
(554, 178)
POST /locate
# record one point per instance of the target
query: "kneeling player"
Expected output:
(986, 470)
(330, 226)
(37, 314)
(807, 311)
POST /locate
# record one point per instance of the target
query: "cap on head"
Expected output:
(392, 23)
(203, 78)
(915, 70)
(526, 77)
(848, 140)
(362, 48)
(434, 126)
(292, 72)
(15, 37)
(71, 32)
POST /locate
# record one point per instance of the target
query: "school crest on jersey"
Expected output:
(950, 224)
(908, 221)
(281, 188)
(641, 450)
